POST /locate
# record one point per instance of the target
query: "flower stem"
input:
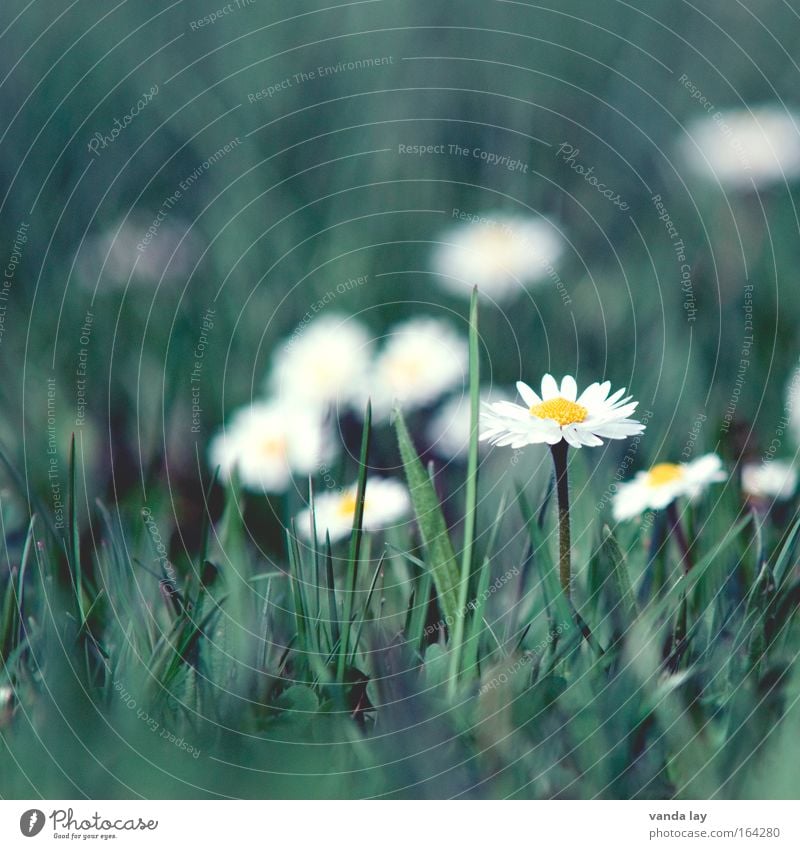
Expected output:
(559, 452)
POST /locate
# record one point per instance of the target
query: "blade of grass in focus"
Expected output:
(355, 545)
(439, 555)
(471, 506)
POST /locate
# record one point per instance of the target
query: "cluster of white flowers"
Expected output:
(291, 432)
(329, 366)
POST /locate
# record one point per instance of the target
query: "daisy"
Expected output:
(560, 418)
(499, 255)
(663, 483)
(775, 479)
(743, 148)
(127, 253)
(386, 501)
(560, 414)
(421, 360)
(449, 428)
(324, 363)
(267, 442)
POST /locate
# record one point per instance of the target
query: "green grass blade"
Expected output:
(355, 543)
(619, 572)
(471, 506)
(440, 558)
(73, 534)
(365, 610)
(482, 594)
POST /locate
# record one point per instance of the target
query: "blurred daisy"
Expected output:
(448, 430)
(498, 255)
(775, 479)
(745, 147)
(663, 483)
(267, 442)
(127, 252)
(324, 363)
(560, 414)
(386, 501)
(421, 360)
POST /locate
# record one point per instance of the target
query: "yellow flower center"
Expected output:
(664, 473)
(405, 370)
(561, 410)
(273, 446)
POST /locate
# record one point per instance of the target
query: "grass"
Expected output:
(197, 679)
(203, 648)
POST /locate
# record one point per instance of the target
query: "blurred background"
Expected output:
(105, 117)
(195, 175)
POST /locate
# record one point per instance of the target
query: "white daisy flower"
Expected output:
(499, 255)
(421, 360)
(448, 430)
(560, 414)
(267, 442)
(386, 501)
(775, 479)
(324, 363)
(745, 147)
(663, 483)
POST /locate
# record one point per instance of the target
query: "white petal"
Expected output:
(569, 389)
(549, 387)
(527, 394)
(628, 501)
